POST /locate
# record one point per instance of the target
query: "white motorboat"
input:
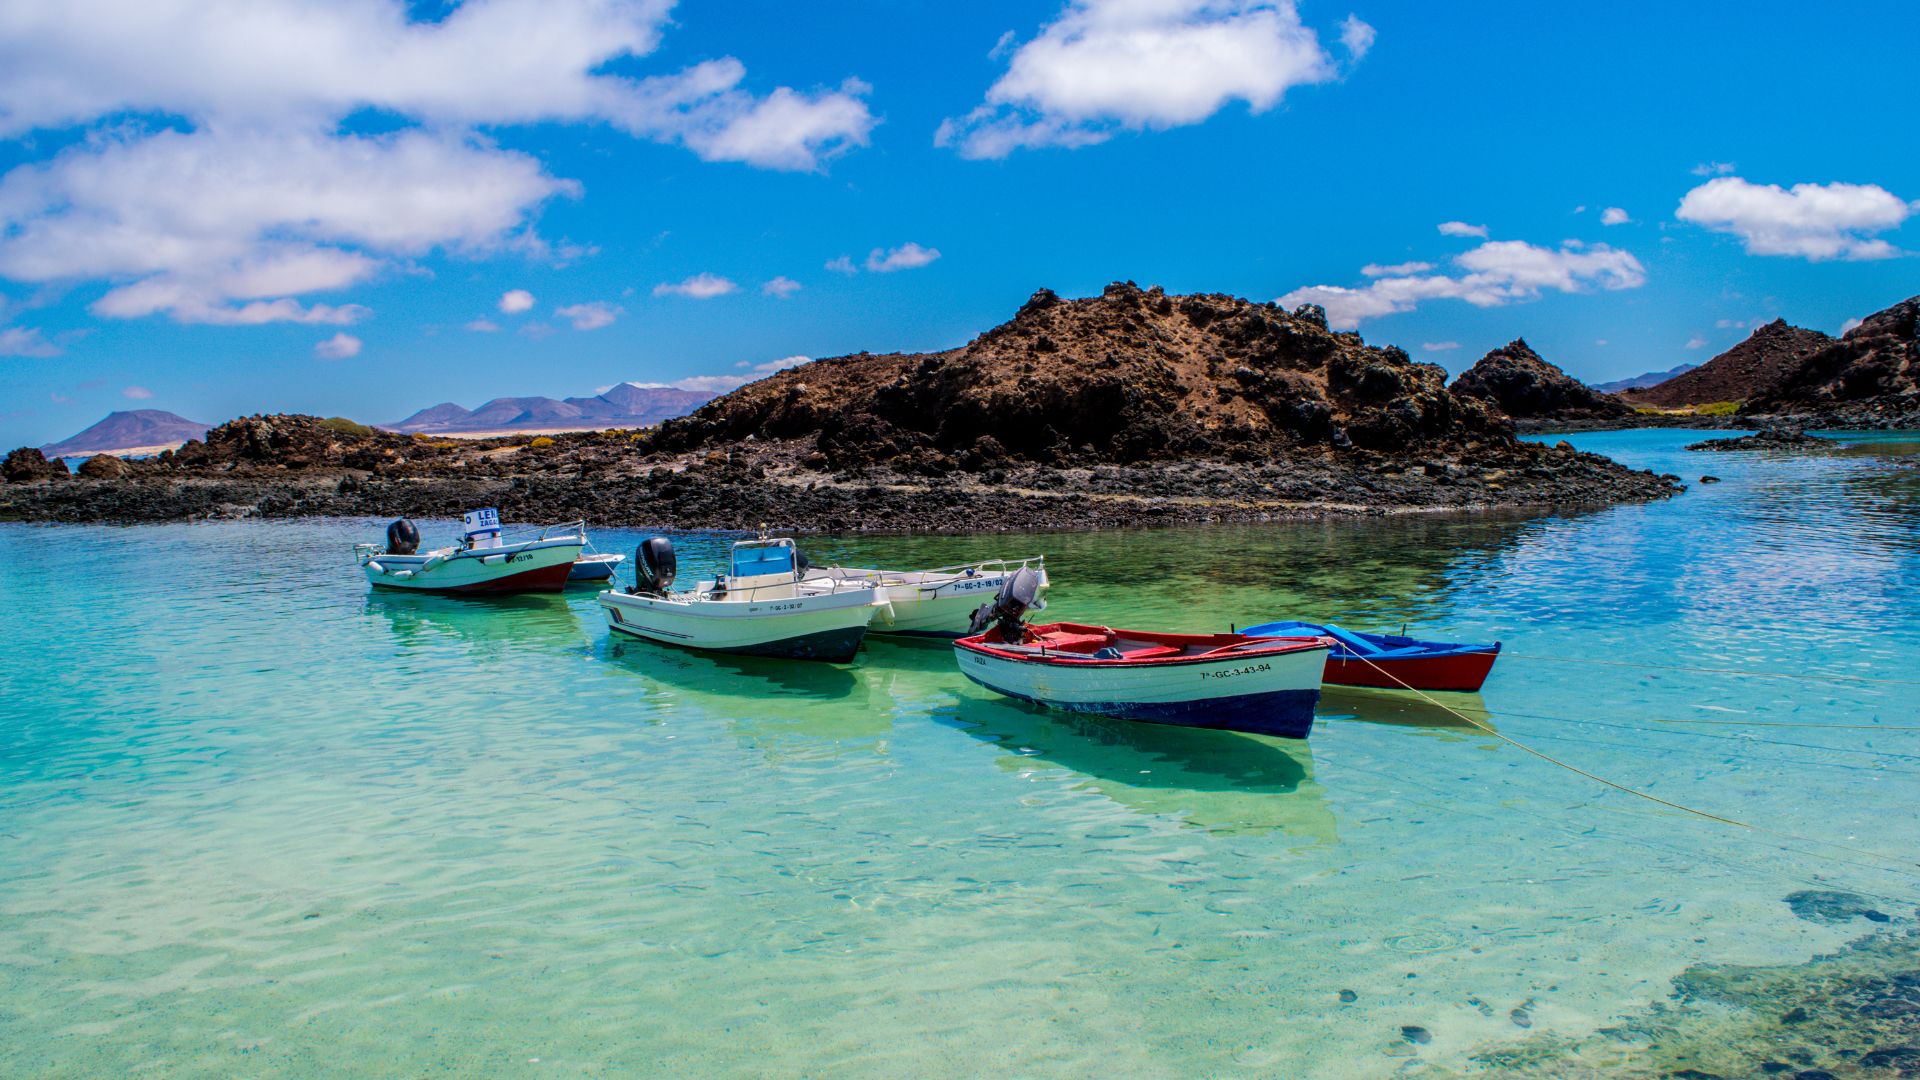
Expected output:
(480, 563)
(933, 603)
(595, 566)
(766, 605)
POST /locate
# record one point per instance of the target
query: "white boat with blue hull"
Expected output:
(1234, 682)
(765, 606)
(935, 603)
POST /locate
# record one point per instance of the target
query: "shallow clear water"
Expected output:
(256, 820)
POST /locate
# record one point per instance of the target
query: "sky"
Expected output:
(366, 207)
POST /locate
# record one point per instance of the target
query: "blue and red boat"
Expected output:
(1390, 661)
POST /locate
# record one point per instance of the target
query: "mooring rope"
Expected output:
(1887, 861)
(1823, 677)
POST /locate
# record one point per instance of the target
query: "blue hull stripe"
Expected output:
(1285, 713)
(833, 646)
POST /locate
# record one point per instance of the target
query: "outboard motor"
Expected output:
(402, 538)
(1019, 594)
(654, 566)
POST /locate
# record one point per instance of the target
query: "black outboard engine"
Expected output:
(402, 538)
(1019, 594)
(654, 566)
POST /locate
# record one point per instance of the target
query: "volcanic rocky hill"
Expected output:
(1749, 370)
(1869, 377)
(1515, 380)
(1133, 407)
(1129, 376)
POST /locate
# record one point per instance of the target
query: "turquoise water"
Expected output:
(256, 820)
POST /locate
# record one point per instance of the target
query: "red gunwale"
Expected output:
(989, 644)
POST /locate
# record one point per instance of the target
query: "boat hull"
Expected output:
(827, 628)
(1265, 693)
(1393, 662)
(930, 604)
(537, 566)
(593, 568)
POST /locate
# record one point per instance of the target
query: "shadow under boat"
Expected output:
(490, 624)
(1216, 780)
(753, 696)
(1454, 714)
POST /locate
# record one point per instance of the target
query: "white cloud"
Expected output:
(483, 326)
(1356, 36)
(842, 265)
(214, 183)
(1105, 66)
(1613, 215)
(340, 346)
(1461, 228)
(702, 286)
(1713, 168)
(723, 383)
(1602, 342)
(1439, 346)
(26, 341)
(1696, 342)
(1811, 221)
(1497, 273)
(1395, 269)
(515, 302)
(589, 316)
(137, 393)
(907, 256)
(781, 287)
(1850, 326)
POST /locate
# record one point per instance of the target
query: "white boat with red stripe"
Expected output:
(482, 562)
(1234, 682)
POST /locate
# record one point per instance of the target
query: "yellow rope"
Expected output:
(1715, 670)
(1617, 786)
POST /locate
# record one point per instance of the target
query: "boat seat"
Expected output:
(1072, 642)
(1154, 652)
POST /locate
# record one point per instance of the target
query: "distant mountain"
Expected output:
(136, 429)
(1638, 382)
(1756, 366)
(626, 405)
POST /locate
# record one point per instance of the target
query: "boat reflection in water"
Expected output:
(1221, 781)
(488, 626)
(757, 698)
(1401, 708)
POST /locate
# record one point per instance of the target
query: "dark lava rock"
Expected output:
(1419, 1036)
(1521, 384)
(1814, 1074)
(1905, 1059)
(1349, 997)
(1521, 1018)
(105, 467)
(1770, 439)
(1709, 479)
(1751, 369)
(1868, 378)
(1821, 906)
(27, 464)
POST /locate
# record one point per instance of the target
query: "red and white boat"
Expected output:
(481, 563)
(1235, 682)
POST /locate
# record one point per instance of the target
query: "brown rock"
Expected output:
(1751, 369)
(1521, 384)
(105, 467)
(26, 464)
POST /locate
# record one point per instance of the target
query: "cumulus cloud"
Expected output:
(340, 346)
(752, 372)
(1461, 228)
(137, 393)
(1395, 269)
(1494, 274)
(1439, 346)
(907, 256)
(1713, 168)
(26, 341)
(483, 326)
(1613, 215)
(1356, 36)
(1811, 221)
(1696, 342)
(215, 184)
(1106, 66)
(589, 316)
(702, 286)
(781, 287)
(842, 265)
(1850, 326)
(516, 301)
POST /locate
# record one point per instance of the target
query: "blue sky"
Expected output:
(283, 210)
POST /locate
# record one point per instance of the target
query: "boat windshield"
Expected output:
(757, 558)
